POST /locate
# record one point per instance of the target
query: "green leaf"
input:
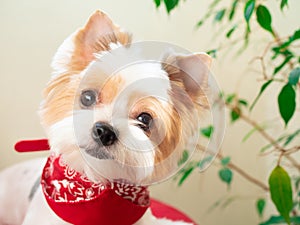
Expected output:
(294, 76)
(207, 131)
(295, 36)
(233, 8)
(246, 38)
(215, 205)
(210, 11)
(225, 161)
(286, 60)
(280, 220)
(185, 175)
(273, 220)
(243, 102)
(235, 115)
(262, 89)
(184, 157)
(283, 3)
(282, 48)
(230, 32)
(278, 140)
(170, 4)
(265, 148)
(287, 102)
(220, 14)
(248, 135)
(228, 201)
(204, 162)
(252, 131)
(297, 182)
(212, 53)
(230, 97)
(157, 3)
(260, 206)
(248, 11)
(200, 23)
(291, 137)
(284, 52)
(264, 18)
(281, 192)
(225, 175)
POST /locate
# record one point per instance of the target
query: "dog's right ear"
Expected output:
(78, 50)
(191, 71)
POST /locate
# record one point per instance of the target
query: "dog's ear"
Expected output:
(191, 70)
(78, 50)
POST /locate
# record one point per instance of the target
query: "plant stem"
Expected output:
(261, 131)
(266, 136)
(237, 169)
(245, 175)
(255, 125)
(271, 140)
(278, 40)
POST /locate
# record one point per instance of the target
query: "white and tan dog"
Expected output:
(131, 127)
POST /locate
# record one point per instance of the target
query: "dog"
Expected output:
(114, 127)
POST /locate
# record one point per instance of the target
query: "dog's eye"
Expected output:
(146, 120)
(88, 98)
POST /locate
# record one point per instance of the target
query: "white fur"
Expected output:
(63, 56)
(148, 79)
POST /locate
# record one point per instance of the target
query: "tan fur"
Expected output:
(59, 99)
(172, 137)
(189, 103)
(111, 89)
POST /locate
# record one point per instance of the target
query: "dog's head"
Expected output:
(129, 123)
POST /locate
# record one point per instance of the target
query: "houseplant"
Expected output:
(279, 68)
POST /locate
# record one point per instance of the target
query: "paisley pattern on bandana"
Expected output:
(64, 184)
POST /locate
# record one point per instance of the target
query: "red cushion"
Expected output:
(162, 210)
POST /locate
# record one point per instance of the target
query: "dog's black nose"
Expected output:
(104, 134)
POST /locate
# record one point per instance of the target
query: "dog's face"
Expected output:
(129, 123)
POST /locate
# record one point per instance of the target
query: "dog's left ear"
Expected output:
(78, 50)
(191, 70)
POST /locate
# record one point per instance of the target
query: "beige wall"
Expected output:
(32, 30)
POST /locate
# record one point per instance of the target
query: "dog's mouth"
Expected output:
(99, 153)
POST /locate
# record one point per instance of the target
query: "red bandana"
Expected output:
(79, 201)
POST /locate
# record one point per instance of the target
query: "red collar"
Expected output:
(79, 201)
